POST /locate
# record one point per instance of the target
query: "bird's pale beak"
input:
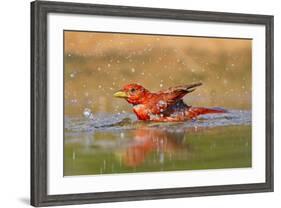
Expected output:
(120, 94)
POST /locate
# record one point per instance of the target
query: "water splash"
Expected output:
(125, 121)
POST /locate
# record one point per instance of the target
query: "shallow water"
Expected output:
(119, 143)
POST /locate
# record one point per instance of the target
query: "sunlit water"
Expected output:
(99, 144)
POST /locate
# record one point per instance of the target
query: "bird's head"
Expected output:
(133, 93)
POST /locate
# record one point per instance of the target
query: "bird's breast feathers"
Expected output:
(141, 111)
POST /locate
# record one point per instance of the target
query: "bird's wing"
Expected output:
(182, 89)
(162, 100)
(173, 94)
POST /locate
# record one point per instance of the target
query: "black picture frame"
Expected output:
(39, 98)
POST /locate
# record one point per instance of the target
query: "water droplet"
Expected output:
(88, 113)
(74, 101)
(121, 135)
(162, 158)
(104, 164)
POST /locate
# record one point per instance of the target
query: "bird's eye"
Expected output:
(133, 90)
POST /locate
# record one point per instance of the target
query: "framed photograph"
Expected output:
(131, 103)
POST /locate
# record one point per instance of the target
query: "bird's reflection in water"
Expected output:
(147, 140)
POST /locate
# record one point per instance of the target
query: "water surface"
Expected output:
(119, 143)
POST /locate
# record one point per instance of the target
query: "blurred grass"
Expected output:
(98, 64)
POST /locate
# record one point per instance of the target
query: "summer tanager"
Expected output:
(164, 105)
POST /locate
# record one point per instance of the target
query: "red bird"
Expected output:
(166, 105)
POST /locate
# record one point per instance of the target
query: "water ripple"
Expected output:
(125, 121)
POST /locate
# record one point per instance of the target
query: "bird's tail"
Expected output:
(196, 111)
